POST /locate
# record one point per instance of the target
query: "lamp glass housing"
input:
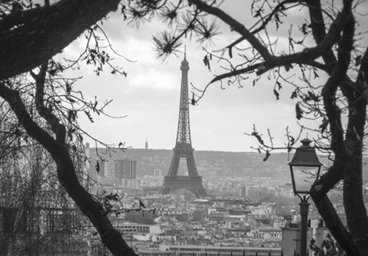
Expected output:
(303, 178)
(304, 168)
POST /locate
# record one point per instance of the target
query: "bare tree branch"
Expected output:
(38, 34)
(234, 25)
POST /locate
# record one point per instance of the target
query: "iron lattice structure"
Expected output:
(183, 147)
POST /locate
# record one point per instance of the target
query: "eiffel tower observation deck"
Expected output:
(183, 147)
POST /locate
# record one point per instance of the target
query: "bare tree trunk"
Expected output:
(356, 213)
(327, 211)
(66, 171)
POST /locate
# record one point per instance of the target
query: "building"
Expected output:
(125, 168)
(134, 228)
(182, 250)
(42, 229)
(36, 215)
(290, 242)
(112, 170)
(146, 144)
(157, 173)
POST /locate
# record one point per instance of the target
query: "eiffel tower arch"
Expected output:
(183, 147)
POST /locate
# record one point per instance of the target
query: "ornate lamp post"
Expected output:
(304, 168)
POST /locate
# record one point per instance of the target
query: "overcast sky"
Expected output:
(149, 95)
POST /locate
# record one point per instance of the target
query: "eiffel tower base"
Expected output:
(191, 183)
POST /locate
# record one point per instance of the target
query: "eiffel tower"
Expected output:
(183, 147)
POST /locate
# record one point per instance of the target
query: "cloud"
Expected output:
(149, 96)
(155, 79)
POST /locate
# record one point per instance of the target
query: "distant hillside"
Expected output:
(209, 163)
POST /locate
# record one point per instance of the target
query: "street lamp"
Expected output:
(304, 168)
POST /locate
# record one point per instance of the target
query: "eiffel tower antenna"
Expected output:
(183, 146)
